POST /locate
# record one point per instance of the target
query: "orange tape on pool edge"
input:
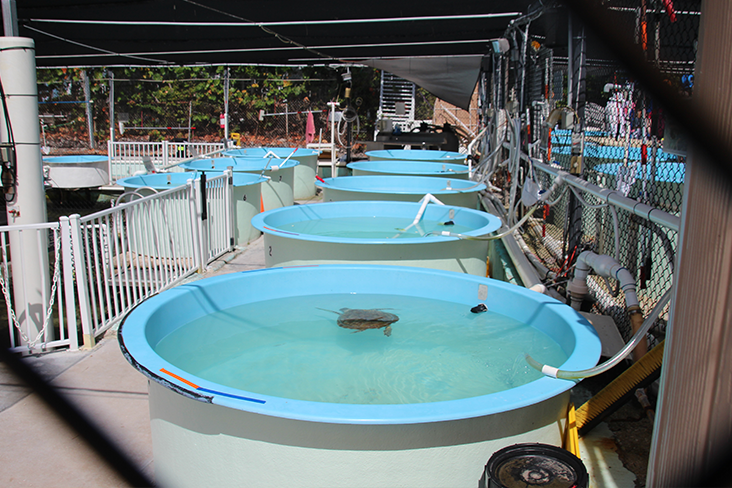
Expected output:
(179, 378)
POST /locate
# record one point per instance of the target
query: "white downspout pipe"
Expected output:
(604, 266)
(608, 267)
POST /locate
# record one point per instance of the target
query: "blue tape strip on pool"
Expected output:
(200, 388)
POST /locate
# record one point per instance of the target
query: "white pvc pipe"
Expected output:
(424, 202)
(604, 266)
(622, 354)
(31, 282)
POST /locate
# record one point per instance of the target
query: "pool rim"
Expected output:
(420, 168)
(237, 177)
(137, 350)
(424, 155)
(268, 164)
(332, 183)
(75, 159)
(492, 225)
(301, 152)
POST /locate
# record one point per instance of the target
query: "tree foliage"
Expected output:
(176, 97)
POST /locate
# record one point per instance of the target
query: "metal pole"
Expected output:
(27, 205)
(10, 18)
(111, 105)
(524, 41)
(190, 116)
(87, 98)
(226, 106)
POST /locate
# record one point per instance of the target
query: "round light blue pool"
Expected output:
(161, 229)
(77, 171)
(417, 155)
(304, 172)
(457, 192)
(410, 168)
(373, 232)
(76, 159)
(205, 432)
(277, 192)
(156, 181)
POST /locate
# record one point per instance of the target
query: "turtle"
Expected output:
(362, 319)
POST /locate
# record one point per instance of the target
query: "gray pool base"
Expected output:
(201, 444)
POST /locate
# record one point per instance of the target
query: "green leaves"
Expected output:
(163, 97)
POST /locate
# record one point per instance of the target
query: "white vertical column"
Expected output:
(28, 204)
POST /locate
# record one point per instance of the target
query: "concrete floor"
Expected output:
(38, 449)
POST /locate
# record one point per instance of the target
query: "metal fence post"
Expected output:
(203, 220)
(166, 150)
(110, 156)
(195, 223)
(230, 205)
(79, 257)
(68, 283)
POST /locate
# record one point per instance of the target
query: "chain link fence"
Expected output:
(581, 111)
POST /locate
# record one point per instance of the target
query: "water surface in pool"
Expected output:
(372, 227)
(293, 348)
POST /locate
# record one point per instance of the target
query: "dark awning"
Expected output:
(185, 32)
(450, 78)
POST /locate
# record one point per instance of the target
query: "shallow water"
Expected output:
(371, 227)
(293, 348)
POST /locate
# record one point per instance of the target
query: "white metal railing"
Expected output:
(107, 263)
(126, 158)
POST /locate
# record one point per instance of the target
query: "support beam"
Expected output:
(27, 205)
(693, 429)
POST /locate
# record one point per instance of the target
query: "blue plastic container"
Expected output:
(247, 193)
(143, 184)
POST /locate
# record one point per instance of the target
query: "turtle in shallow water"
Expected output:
(362, 319)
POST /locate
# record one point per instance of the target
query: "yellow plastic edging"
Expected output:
(571, 440)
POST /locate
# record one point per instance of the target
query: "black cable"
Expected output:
(9, 165)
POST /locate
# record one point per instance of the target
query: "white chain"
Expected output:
(49, 311)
